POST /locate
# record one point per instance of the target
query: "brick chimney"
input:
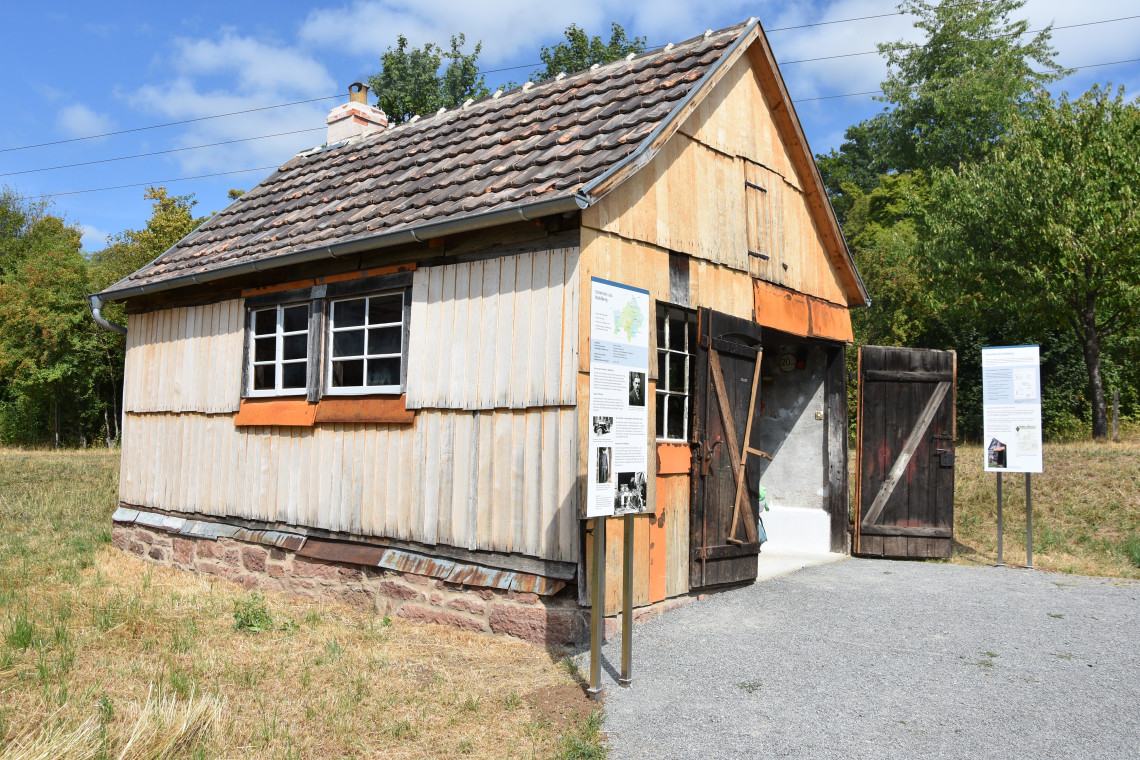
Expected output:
(355, 117)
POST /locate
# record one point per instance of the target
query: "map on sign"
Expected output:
(629, 320)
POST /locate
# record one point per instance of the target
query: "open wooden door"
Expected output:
(904, 487)
(726, 476)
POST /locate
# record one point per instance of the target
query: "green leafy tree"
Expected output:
(1048, 223)
(47, 344)
(410, 81)
(948, 98)
(581, 51)
(954, 94)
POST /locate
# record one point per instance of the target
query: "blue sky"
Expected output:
(72, 70)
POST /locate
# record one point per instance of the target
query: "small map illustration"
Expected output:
(629, 320)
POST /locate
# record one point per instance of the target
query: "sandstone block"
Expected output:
(183, 550)
(439, 617)
(468, 605)
(254, 558)
(538, 625)
(398, 591)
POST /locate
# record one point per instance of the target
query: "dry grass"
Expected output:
(1086, 510)
(97, 647)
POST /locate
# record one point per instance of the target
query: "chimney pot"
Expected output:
(354, 118)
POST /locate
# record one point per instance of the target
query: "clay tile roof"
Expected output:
(523, 147)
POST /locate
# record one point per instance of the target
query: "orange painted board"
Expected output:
(391, 410)
(673, 459)
(296, 412)
(782, 309)
(830, 321)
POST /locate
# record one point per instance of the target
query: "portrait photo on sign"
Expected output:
(636, 389)
(605, 457)
(603, 425)
(630, 498)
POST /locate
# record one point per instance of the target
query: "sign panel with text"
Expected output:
(619, 389)
(1011, 408)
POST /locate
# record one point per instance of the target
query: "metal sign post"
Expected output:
(1000, 562)
(1028, 524)
(627, 605)
(597, 613)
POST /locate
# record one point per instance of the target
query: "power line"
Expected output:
(512, 68)
(152, 182)
(916, 45)
(267, 168)
(168, 124)
(161, 152)
(880, 92)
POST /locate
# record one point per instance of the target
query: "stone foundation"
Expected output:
(550, 621)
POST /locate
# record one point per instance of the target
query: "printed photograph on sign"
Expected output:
(605, 462)
(630, 497)
(603, 425)
(637, 389)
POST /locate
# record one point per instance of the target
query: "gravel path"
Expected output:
(875, 659)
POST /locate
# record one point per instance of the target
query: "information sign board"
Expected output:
(619, 389)
(1011, 408)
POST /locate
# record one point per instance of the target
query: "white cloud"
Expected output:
(254, 64)
(94, 239)
(77, 120)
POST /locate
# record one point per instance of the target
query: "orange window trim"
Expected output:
(299, 412)
(283, 286)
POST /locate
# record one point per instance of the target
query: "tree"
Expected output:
(47, 344)
(1049, 223)
(949, 98)
(580, 51)
(954, 94)
(410, 82)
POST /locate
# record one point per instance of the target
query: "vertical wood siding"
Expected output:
(185, 360)
(499, 481)
(494, 334)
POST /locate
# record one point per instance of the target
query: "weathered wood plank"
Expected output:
(521, 330)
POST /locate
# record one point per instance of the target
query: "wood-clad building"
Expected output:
(378, 358)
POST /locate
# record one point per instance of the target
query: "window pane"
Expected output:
(293, 375)
(660, 329)
(265, 322)
(677, 373)
(264, 349)
(677, 334)
(264, 377)
(349, 343)
(349, 374)
(692, 338)
(661, 376)
(382, 309)
(295, 346)
(296, 318)
(384, 340)
(676, 417)
(348, 313)
(384, 371)
(661, 399)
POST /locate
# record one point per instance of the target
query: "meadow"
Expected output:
(105, 656)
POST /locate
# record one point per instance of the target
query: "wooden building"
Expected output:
(369, 375)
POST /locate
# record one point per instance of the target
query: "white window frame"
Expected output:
(278, 361)
(663, 391)
(332, 329)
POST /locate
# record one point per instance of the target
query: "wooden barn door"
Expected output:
(904, 487)
(727, 404)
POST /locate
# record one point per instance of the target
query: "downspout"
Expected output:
(96, 304)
